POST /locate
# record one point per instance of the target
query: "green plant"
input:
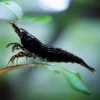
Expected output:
(72, 77)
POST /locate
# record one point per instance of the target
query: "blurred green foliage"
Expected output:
(39, 18)
(76, 30)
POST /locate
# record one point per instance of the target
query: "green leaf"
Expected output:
(75, 81)
(44, 18)
(72, 77)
